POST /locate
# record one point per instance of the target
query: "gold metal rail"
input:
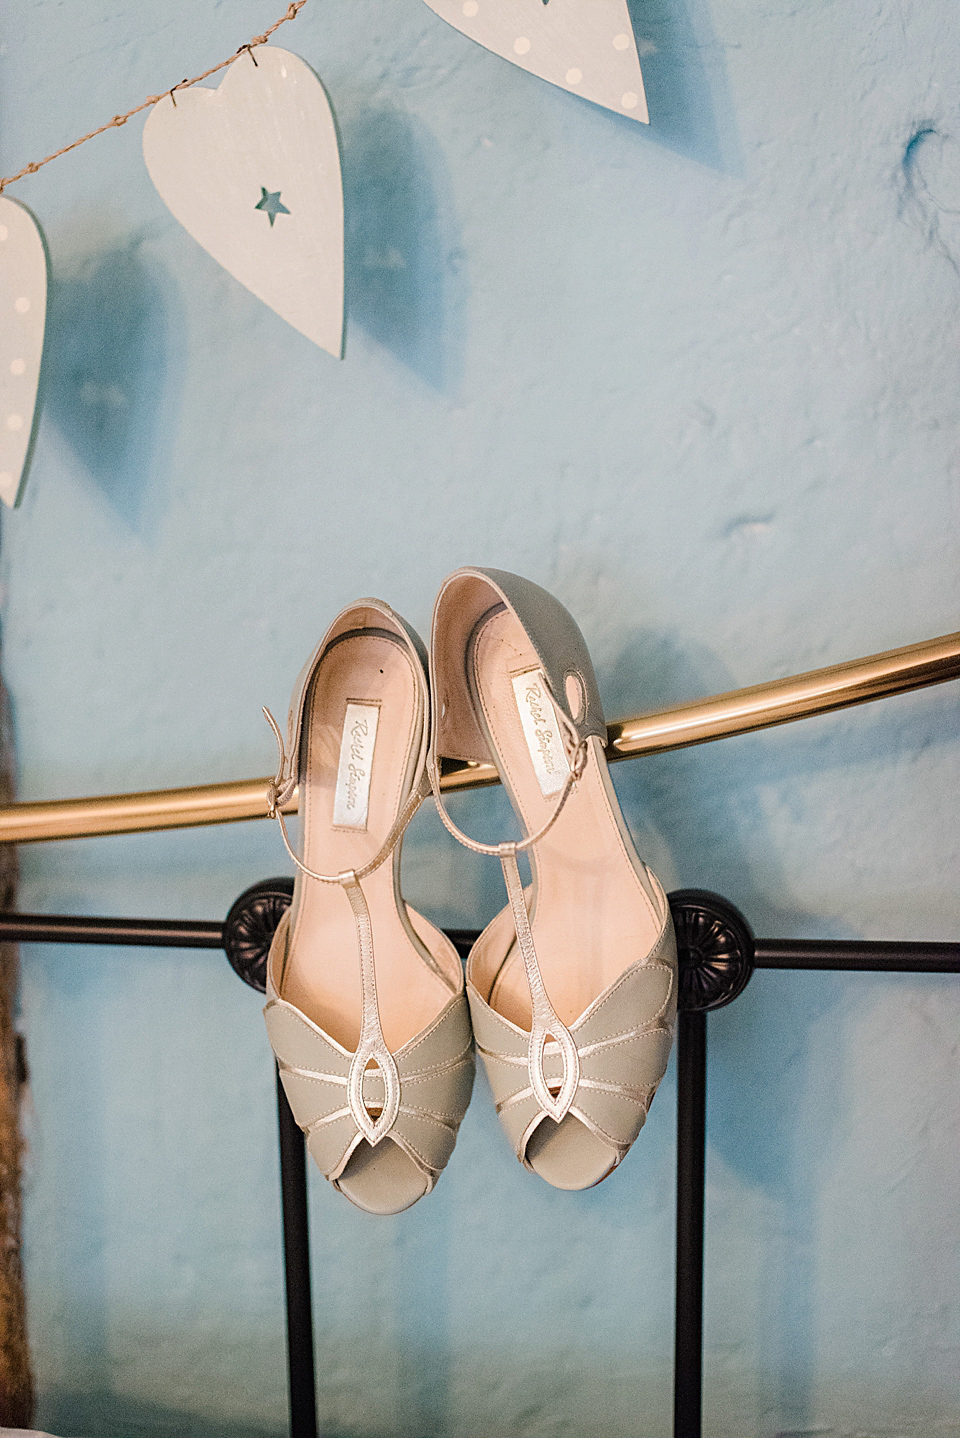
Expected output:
(740, 712)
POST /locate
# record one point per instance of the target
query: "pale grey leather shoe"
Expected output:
(572, 987)
(366, 1010)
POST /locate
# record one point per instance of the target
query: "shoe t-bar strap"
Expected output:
(545, 1022)
(372, 1046)
(578, 763)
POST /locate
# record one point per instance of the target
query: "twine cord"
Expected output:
(291, 13)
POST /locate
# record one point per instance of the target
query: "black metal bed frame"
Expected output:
(718, 955)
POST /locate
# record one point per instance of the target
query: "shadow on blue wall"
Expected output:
(105, 369)
(773, 1110)
(112, 1415)
(403, 281)
(83, 1219)
(685, 79)
(705, 803)
(423, 1316)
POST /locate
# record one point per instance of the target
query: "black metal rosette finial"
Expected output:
(250, 926)
(714, 947)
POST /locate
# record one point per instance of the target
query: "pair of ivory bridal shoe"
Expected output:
(570, 993)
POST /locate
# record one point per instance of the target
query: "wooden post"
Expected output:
(16, 1384)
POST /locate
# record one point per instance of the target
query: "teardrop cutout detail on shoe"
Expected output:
(373, 1120)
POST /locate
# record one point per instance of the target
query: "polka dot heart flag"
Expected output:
(584, 46)
(23, 307)
(252, 171)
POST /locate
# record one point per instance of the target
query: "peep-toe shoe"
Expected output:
(572, 987)
(366, 1010)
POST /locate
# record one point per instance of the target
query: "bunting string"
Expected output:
(292, 11)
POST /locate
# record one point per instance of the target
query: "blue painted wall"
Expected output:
(702, 381)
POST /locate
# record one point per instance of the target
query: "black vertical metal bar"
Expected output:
(691, 1180)
(296, 1253)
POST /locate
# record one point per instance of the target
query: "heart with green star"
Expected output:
(269, 202)
(251, 170)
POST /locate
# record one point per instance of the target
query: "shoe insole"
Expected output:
(593, 912)
(364, 682)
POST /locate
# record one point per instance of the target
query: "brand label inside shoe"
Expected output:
(351, 798)
(541, 730)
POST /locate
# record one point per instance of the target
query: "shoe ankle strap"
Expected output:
(280, 790)
(577, 760)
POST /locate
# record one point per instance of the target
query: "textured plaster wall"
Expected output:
(703, 381)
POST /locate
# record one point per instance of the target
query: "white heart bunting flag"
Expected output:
(584, 46)
(23, 306)
(252, 171)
